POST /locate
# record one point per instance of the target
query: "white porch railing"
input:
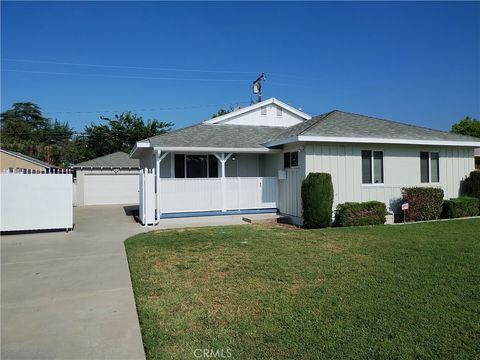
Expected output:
(206, 194)
(188, 195)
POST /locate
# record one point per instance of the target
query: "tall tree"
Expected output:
(120, 133)
(467, 126)
(25, 129)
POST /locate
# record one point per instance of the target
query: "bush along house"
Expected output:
(255, 159)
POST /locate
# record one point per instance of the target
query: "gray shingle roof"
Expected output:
(343, 124)
(218, 136)
(115, 160)
(29, 158)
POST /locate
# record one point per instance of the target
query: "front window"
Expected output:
(196, 166)
(290, 159)
(429, 167)
(372, 167)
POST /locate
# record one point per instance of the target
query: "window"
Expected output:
(179, 165)
(429, 167)
(263, 110)
(196, 166)
(290, 159)
(372, 167)
(279, 111)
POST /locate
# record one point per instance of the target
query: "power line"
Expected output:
(125, 76)
(130, 67)
(149, 109)
(150, 68)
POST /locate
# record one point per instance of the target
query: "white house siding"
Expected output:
(289, 196)
(271, 118)
(401, 168)
(106, 187)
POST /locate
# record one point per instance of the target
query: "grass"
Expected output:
(270, 292)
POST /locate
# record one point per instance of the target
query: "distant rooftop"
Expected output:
(118, 160)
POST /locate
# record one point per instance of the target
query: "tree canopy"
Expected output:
(26, 130)
(221, 112)
(467, 126)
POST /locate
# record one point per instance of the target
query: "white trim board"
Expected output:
(215, 149)
(334, 139)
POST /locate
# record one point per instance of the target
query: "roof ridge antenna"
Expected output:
(257, 86)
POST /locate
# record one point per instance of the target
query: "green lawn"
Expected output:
(271, 292)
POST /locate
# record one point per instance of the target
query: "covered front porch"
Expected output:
(199, 183)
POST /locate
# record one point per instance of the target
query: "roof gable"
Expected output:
(28, 158)
(277, 113)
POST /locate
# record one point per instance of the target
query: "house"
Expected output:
(16, 162)
(477, 158)
(107, 180)
(257, 157)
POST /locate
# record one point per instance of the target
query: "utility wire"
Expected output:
(125, 76)
(150, 68)
(130, 67)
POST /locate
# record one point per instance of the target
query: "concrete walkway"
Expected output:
(69, 295)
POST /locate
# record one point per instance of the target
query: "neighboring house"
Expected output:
(258, 156)
(109, 179)
(16, 162)
(477, 159)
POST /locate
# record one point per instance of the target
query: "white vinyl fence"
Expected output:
(36, 201)
(205, 194)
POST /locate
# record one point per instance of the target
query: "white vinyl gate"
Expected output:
(206, 194)
(36, 201)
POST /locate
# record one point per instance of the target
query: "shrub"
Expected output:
(471, 185)
(460, 207)
(317, 200)
(359, 214)
(425, 203)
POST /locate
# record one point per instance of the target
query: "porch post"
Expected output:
(158, 160)
(222, 157)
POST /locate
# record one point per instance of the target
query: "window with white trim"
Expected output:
(290, 159)
(372, 167)
(279, 111)
(429, 167)
(263, 110)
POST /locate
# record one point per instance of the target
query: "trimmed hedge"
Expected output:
(317, 200)
(471, 185)
(359, 214)
(425, 203)
(460, 207)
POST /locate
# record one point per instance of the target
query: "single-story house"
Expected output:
(106, 180)
(477, 158)
(16, 162)
(257, 157)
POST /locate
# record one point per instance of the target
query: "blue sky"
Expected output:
(412, 62)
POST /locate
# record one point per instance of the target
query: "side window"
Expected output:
(286, 160)
(279, 111)
(372, 167)
(434, 167)
(263, 110)
(290, 159)
(429, 167)
(366, 167)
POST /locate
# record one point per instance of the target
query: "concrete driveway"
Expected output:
(69, 295)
